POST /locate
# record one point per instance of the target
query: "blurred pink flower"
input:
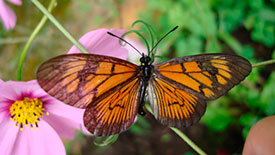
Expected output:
(7, 16)
(99, 42)
(23, 106)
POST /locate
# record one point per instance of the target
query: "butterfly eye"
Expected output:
(148, 59)
(142, 59)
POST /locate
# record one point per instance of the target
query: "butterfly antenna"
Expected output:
(124, 41)
(163, 38)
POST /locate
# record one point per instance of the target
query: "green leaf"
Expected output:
(253, 100)
(267, 14)
(247, 52)
(256, 4)
(188, 46)
(213, 46)
(267, 95)
(264, 32)
(233, 43)
(162, 58)
(217, 116)
(105, 141)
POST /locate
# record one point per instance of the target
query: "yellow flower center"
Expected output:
(27, 111)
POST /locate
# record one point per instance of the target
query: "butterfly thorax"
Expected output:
(145, 69)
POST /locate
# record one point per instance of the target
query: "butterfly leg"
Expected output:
(141, 110)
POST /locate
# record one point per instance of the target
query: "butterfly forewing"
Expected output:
(78, 79)
(208, 75)
(179, 87)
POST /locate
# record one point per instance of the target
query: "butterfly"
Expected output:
(113, 91)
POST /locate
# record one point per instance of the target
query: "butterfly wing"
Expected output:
(180, 87)
(173, 106)
(78, 79)
(114, 113)
(107, 87)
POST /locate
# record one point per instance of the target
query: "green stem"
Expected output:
(182, 136)
(188, 141)
(31, 38)
(59, 26)
(264, 63)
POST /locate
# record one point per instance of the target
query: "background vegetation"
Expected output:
(242, 27)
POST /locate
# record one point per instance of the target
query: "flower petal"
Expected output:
(8, 135)
(7, 16)
(63, 114)
(60, 123)
(15, 2)
(42, 141)
(99, 42)
(62, 110)
(4, 111)
(15, 90)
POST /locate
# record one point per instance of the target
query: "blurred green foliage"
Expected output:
(240, 27)
(223, 26)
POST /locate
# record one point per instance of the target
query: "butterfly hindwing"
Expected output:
(173, 106)
(114, 113)
(180, 87)
(78, 79)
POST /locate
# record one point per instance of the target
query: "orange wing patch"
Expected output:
(113, 81)
(202, 79)
(104, 68)
(207, 92)
(121, 68)
(72, 86)
(91, 84)
(183, 79)
(191, 67)
(68, 79)
(175, 68)
(115, 112)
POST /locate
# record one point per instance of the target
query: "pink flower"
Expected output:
(99, 42)
(7, 16)
(31, 121)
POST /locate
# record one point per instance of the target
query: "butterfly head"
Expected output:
(145, 60)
